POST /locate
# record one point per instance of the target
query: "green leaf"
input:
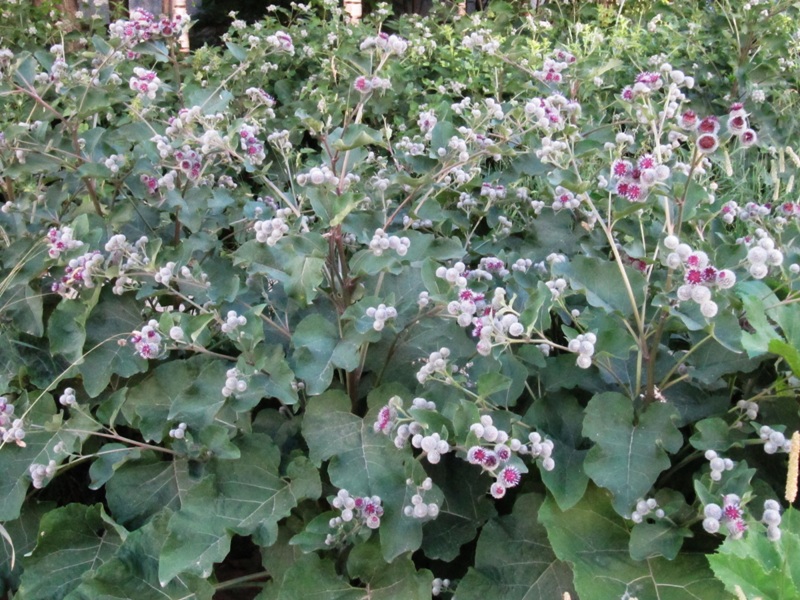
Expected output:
(355, 136)
(246, 496)
(72, 541)
(465, 508)
(560, 418)
(754, 297)
(140, 489)
(762, 568)
(39, 448)
(318, 351)
(311, 577)
(22, 532)
(789, 353)
(133, 571)
(364, 463)
(109, 458)
(715, 434)
(180, 390)
(399, 579)
(603, 284)
(594, 540)
(111, 321)
(492, 382)
(514, 560)
(305, 276)
(649, 540)
(627, 457)
(66, 329)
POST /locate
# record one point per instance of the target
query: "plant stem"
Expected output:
(243, 581)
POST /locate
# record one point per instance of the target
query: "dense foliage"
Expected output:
(497, 306)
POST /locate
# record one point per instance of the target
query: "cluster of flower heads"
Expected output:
(365, 85)
(233, 383)
(11, 429)
(495, 451)
(61, 240)
(418, 508)
(77, 274)
(583, 345)
(699, 276)
(645, 507)
(749, 409)
(381, 314)
(40, 473)
(147, 341)
(552, 113)
(143, 26)
(707, 129)
(382, 241)
(772, 519)
(178, 432)
(392, 419)
(270, 231)
(439, 585)
(730, 514)
(634, 181)
(718, 465)
(281, 42)
(644, 85)
(762, 255)
(252, 146)
(355, 512)
(437, 364)
(145, 83)
(383, 42)
(774, 441)
(563, 199)
(553, 66)
(67, 397)
(233, 321)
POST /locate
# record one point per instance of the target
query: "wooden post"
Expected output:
(174, 8)
(354, 10)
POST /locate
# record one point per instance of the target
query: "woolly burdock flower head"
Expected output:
(709, 125)
(707, 143)
(497, 490)
(509, 477)
(688, 120)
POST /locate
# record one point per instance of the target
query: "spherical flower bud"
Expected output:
(771, 517)
(548, 464)
(671, 242)
(497, 490)
(711, 525)
(774, 257)
(490, 433)
(709, 309)
(509, 477)
(584, 361)
(756, 255)
(707, 143)
(516, 329)
(717, 464)
(700, 294)
(726, 279)
(758, 270)
(673, 260)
